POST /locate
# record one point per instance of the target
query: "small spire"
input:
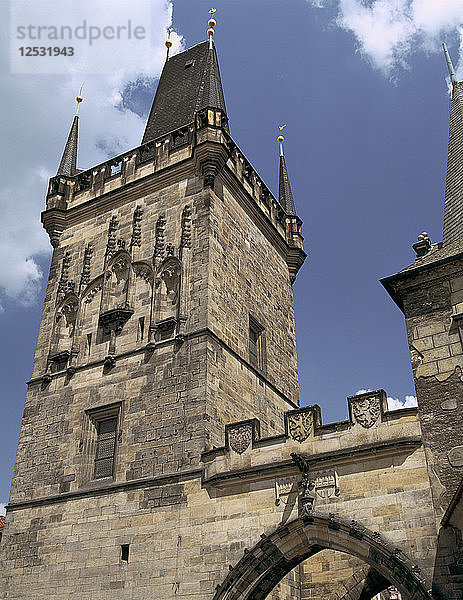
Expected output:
(211, 24)
(453, 77)
(285, 194)
(168, 42)
(68, 163)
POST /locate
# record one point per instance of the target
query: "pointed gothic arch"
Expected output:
(117, 280)
(166, 299)
(65, 323)
(261, 568)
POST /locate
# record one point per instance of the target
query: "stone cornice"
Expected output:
(388, 447)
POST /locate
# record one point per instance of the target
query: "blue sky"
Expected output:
(362, 88)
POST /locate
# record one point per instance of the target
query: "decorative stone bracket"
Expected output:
(307, 485)
(210, 157)
(112, 322)
(115, 319)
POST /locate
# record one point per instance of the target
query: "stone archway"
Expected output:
(261, 568)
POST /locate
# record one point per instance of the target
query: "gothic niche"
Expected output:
(167, 298)
(115, 307)
(116, 286)
(64, 329)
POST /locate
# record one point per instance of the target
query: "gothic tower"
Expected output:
(168, 315)
(430, 294)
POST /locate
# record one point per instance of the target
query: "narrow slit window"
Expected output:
(141, 329)
(105, 448)
(125, 553)
(89, 343)
(256, 344)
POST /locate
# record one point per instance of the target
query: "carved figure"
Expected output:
(366, 411)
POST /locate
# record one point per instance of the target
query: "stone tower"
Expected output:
(430, 294)
(168, 315)
(163, 453)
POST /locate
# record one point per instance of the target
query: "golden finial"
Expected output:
(169, 41)
(281, 139)
(79, 99)
(211, 24)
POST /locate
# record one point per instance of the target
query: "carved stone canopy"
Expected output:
(60, 357)
(115, 319)
(166, 324)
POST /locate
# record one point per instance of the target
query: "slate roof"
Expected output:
(437, 254)
(453, 214)
(190, 81)
(68, 164)
(285, 194)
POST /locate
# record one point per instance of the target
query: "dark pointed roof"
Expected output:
(453, 213)
(285, 194)
(190, 81)
(68, 164)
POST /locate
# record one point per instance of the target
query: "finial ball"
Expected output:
(281, 139)
(168, 44)
(210, 32)
(212, 23)
(79, 99)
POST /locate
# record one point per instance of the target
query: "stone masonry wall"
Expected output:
(183, 534)
(431, 299)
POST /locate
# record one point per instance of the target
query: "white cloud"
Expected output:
(2, 509)
(40, 110)
(387, 32)
(395, 403)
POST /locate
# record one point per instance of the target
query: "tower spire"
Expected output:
(453, 212)
(68, 163)
(453, 77)
(285, 194)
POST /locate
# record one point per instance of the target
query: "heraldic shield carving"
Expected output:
(366, 411)
(300, 425)
(240, 437)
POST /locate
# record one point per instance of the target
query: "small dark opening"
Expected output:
(189, 63)
(125, 553)
(141, 328)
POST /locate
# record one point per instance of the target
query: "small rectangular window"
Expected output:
(256, 343)
(104, 423)
(125, 553)
(105, 448)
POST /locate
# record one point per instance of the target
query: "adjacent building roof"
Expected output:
(190, 81)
